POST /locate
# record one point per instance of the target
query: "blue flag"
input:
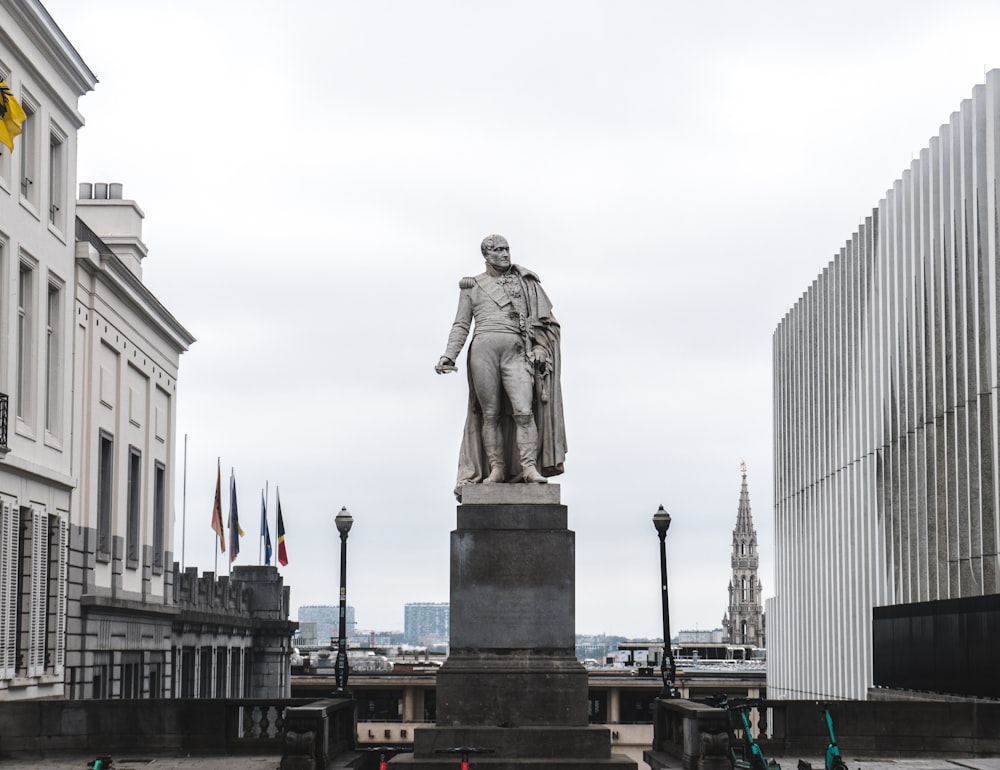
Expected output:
(235, 531)
(264, 531)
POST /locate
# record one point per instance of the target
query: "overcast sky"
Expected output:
(317, 176)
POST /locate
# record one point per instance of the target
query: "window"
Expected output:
(101, 675)
(4, 152)
(221, 669)
(134, 506)
(743, 585)
(25, 305)
(188, 661)
(159, 503)
(29, 152)
(57, 178)
(53, 359)
(105, 479)
(131, 675)
(235, 680)
(156, 675)
(205, 678)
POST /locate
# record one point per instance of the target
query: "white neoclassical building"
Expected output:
(92, 604)
(127, 353)
(37, 318)
(887, 446)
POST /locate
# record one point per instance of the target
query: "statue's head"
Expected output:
(491, 242)
(496, 252)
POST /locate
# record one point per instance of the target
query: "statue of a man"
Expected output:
(514, 429)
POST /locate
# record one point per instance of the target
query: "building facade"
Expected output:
(319, 624)
(743, 622)
(127, 349)
(885, 415)
(37, 276)
(427, 624)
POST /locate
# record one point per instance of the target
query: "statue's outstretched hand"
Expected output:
(445, 365)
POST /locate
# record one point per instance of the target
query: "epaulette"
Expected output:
(466, 283)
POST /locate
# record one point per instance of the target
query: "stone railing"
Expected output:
(694, 733)
(168, 727)
(885, 728)
(699, 735)
(317, 732)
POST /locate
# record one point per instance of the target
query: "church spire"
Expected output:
(744, 622)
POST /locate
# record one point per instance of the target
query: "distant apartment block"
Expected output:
(426, 624)
(320, 623)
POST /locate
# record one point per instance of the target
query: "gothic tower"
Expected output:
(744, 622)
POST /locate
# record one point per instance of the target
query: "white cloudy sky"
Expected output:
(317, 176)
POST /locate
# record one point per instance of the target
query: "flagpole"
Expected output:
(184, 502)
(260, 540)
(218, 462)
(232, 490)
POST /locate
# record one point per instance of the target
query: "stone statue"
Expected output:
(514, 429)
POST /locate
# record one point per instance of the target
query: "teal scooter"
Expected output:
(833, 759)
(745, 753)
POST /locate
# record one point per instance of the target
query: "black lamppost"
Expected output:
(343, 520)
(661, 520)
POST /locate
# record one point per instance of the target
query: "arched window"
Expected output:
(743, 586)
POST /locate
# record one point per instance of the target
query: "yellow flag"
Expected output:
(11, 116)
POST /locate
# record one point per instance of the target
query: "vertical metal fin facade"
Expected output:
(885, 415)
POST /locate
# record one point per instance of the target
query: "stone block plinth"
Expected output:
(512, 682)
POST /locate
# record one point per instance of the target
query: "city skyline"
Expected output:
(648, 161)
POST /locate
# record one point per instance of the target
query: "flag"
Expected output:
(264, 531)
(235, 530)
(282, 553)
(217, 511)
(11, 116)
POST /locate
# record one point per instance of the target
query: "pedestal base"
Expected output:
(516, 688)
(512, 682)
(554, 748)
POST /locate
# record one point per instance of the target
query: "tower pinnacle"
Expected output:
(744, 622)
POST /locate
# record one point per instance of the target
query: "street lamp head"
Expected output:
(661, 520)
(344, 520)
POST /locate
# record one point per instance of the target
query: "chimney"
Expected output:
(116, 221)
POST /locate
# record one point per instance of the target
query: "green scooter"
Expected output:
(744, 754)
(833, 759)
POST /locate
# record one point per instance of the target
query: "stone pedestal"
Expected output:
(512, 682)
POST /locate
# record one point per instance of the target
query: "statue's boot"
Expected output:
(493, 447)
(527, 447)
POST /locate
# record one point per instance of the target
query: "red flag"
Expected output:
(217, 511)
(282, 553)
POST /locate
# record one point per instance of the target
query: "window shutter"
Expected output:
(9, 523)
(60, 594)
(39, 592)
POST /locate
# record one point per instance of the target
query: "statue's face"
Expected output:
(498, 255)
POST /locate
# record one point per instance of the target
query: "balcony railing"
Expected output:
(4, 402)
